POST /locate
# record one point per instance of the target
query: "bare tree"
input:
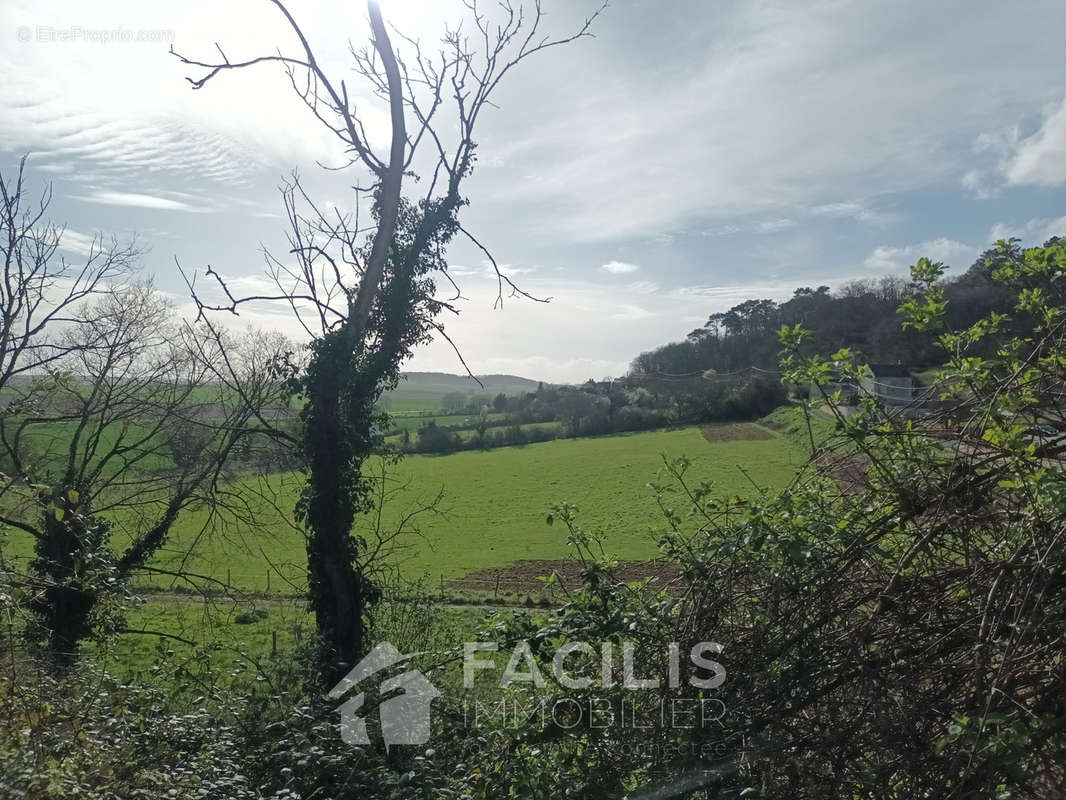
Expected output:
(39, 286)
(39, 292)
(364, 289)
(128, 430)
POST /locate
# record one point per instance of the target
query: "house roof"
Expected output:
(889, 371)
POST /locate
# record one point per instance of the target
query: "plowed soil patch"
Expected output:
(736, 432)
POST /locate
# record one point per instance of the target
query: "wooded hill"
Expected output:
(862, 315)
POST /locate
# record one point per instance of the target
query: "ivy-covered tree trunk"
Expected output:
(71, 554)
(343, 381)
(342, 384)
(332, 499)
(77, 569)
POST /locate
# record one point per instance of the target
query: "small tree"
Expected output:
(39, 291)
(481, 426)
(130, 430)
(434, 438)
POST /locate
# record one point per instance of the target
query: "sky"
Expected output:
(690, 156)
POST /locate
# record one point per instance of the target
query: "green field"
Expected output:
(498, 499)
(493, 514)
(494, 506)
(49, 445)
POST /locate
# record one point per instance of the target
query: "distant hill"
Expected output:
(423, 390)
(508, 384)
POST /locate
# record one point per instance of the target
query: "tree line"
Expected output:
(862, 315)
(632, 403)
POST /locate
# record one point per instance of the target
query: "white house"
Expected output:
(891, 384)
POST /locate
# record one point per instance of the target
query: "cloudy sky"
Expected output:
(691, 155)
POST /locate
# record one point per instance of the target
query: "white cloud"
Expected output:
(643, 287)
(1032, 233)
(663, 238)
(723, 230)
(776, 111)
(508, 269)
(775, 225)
(1040, 159)
(1005, 230)
(733, 118)
(836, 210)
(886, 259)
(771, 225)
(570, 370)
(979, 184)
(124, 109)
(730, 295)
(631, 313)
(80, 244)
(461, 271)
(138, 200)
(857, 211)
(764, 107)
(619, 267)
(587, 330)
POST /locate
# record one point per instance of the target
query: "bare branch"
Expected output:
(516, 291)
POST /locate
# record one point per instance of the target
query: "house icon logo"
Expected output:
(405, 700)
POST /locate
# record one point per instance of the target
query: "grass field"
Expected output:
(492, 514)
(494, 506)
(50, 445)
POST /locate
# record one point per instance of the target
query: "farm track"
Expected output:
(241, 602)
(524, 578)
